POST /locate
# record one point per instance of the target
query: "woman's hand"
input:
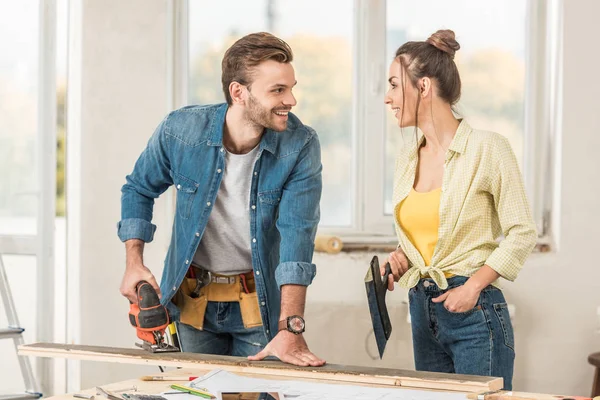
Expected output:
(398, 264)
(459, 299)
(464, 298)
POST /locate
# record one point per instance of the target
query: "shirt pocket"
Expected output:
(186, 192)
(269, 207)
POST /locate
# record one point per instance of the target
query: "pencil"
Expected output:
(167, 378)
(195, 392)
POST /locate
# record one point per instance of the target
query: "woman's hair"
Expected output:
(433, 58)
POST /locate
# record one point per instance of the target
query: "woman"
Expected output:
(456, 191)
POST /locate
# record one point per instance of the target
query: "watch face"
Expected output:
(296, 324)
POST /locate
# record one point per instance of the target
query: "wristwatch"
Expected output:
(293, 323)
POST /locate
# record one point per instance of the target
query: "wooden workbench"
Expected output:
(327, 373)
(200, 364)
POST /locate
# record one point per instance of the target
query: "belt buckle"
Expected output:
(223, 279)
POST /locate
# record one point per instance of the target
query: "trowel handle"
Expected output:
(388, 272)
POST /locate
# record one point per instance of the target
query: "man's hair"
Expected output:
(247, 53)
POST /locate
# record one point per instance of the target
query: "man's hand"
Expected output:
(135, 273)
(399, 266)
(459, 299)
(135, 270)
(291, 349)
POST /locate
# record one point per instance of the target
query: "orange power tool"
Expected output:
(150, 318)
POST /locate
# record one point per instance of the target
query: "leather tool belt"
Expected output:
(201, 286)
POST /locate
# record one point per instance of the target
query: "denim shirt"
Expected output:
(186, 150)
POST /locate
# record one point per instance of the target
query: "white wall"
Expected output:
(556, 295)
(123, 98)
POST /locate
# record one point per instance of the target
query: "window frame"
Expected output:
(41, 244)
(542, 103)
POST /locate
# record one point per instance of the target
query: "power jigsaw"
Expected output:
(150, 319)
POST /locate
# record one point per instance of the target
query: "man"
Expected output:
(248, 180)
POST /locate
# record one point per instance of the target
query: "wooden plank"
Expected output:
(329, 372)
(509, 395)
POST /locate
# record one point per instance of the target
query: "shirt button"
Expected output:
(178, 186)
(257, 272)
(426, 284)
(221, 149)
(197, 234)
(267, 331)
(174, 288)
(254, 240)
(256, 173)
(253, 207)
(208, 203)
(187, 261)
(262, 303)
(219, 171)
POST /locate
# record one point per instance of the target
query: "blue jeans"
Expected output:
(475, 342)
(223, 333)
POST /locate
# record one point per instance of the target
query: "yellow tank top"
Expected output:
(419, 217)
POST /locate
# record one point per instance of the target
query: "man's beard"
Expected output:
(260, 116)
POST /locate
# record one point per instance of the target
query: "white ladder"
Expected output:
(15, 332)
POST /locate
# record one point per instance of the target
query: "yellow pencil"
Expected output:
(167, 378)
(196, 392)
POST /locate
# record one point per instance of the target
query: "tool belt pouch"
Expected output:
(192, 310)
(250, 310)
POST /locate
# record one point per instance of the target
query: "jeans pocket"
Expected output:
(501, 310)
(471, 311)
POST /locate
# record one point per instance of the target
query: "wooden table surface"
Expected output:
(157, 387)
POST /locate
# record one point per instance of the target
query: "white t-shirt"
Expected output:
(225, 245)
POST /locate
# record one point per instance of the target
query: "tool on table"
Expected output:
(509, 395)
(127, 389)
(377, 287)
(84, 396)
(144, 396)
(167, 378)
(109, 395)
(195, 391)
(150, 318)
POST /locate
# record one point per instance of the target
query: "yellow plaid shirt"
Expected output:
(483, 197)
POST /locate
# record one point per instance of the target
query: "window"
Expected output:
(33, 36)
(491, 63)
(342, 52)
(323, 56)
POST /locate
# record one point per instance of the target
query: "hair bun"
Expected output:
(445, 41)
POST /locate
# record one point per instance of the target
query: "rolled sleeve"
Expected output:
(299, 217)
(295, 273)
(148, 180)
(514, 215)
(136, 228)
(508, 261)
